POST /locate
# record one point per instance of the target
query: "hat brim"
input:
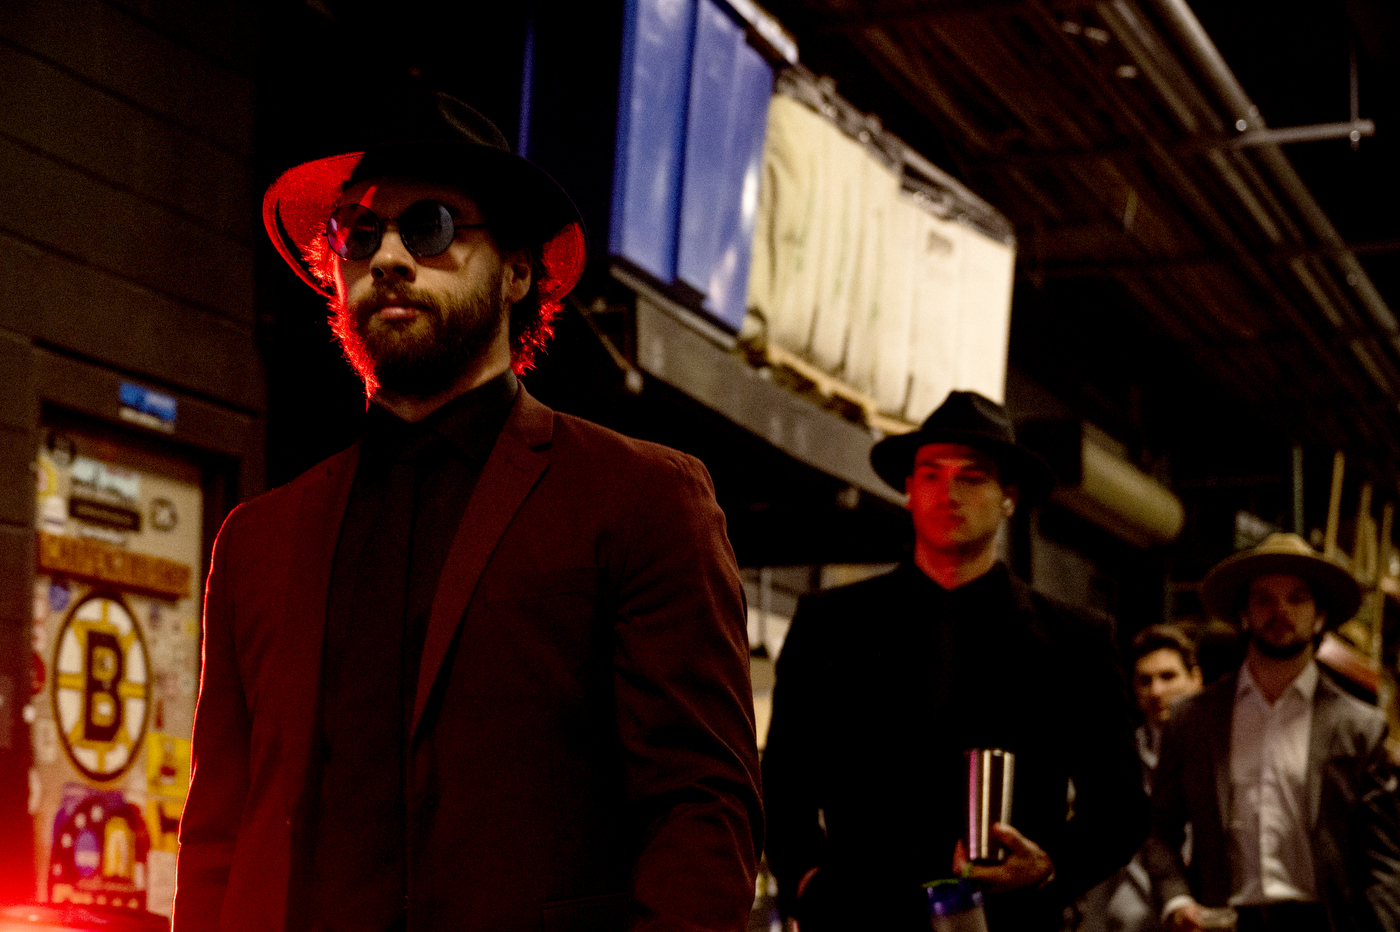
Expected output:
(297, 204)
(893, 461)
(1334, 589)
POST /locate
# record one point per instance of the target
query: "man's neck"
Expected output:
(413, 409)
(952, 569)
(1273, 675)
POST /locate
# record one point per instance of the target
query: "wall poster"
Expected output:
(116, 668)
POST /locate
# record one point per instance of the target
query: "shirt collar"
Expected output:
(1304, 684)
(470, 422)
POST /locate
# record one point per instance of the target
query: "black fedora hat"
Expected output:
(975, 421)
(435, 137)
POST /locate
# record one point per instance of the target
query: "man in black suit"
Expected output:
(882, 685)
(1283, 777)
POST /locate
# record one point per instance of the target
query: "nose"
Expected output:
(392, 260)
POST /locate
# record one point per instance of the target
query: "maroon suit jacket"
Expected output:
(582, 754)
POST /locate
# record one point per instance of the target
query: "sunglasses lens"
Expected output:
(427, 228)
(353, 232)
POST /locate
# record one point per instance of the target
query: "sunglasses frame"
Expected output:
(379, 226)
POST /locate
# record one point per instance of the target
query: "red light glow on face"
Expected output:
(342, 322)
(955, 499)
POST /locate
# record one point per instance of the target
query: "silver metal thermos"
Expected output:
(991, 773)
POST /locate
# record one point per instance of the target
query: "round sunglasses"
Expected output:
(426, 228)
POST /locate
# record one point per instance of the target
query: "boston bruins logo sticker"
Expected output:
(101, 687)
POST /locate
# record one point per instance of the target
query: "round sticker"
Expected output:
(163, 515)
(59, 594)
(101, 688)
(61, 447)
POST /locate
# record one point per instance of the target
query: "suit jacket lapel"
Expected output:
(1220, 712)
(315, 532)
(511, 471)
(1324, 720)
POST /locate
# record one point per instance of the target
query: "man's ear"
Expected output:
(1011, 495)
(516, 276)
(1196, 677)
(1320, 623)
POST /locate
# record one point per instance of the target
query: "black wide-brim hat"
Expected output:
(1334, 589)
(432, 137)
(976, 421)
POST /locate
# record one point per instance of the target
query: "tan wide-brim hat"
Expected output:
(1334, 589)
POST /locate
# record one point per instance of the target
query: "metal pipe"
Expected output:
(1208, 58)
(1334, 505)
(1298, 519)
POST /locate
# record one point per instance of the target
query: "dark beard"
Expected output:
(460, 329)
(1279, 652)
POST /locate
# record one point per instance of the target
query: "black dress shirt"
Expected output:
(881, 687)
(411, 489)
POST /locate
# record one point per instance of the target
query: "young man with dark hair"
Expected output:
(1165, 671)
(883, 685)
(487, 668)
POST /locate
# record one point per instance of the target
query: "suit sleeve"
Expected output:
(796, 841)
(1379, 800)
(1110, 817)
(1161, 855)
(219, 765)
(685, 708)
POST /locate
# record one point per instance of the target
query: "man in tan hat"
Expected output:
(487, 668)
(883, 685)
(1283, 777)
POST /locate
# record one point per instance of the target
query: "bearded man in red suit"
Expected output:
(486, 668)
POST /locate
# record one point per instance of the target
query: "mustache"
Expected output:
(382, 297)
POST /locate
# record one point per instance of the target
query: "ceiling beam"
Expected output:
(902, 16)
(1317, 132)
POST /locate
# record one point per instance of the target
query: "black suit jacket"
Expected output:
(582, 747)
(1351, 800)
(876, 698)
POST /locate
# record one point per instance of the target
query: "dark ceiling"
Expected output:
(1179, 279)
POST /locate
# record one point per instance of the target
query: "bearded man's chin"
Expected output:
(1279, 652)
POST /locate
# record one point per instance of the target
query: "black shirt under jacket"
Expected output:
(882, 685)
(411, 489)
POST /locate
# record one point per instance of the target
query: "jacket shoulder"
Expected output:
(573, 434)
(865, 592)
(1366, 719)
(1192, 710)
(1071, 625)
(277, 504)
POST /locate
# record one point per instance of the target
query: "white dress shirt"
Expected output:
(1269, 775)
(1269, 824)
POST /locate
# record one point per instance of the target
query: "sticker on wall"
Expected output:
(59, 594)
(53, 513)
(147, 407)
(46, 477)
(61, 447)
(106, 481)
(163, 822)
(100, 686)
(100, 846)
(167, 765)
(164, 517)
(90, 559)
(46, 741)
